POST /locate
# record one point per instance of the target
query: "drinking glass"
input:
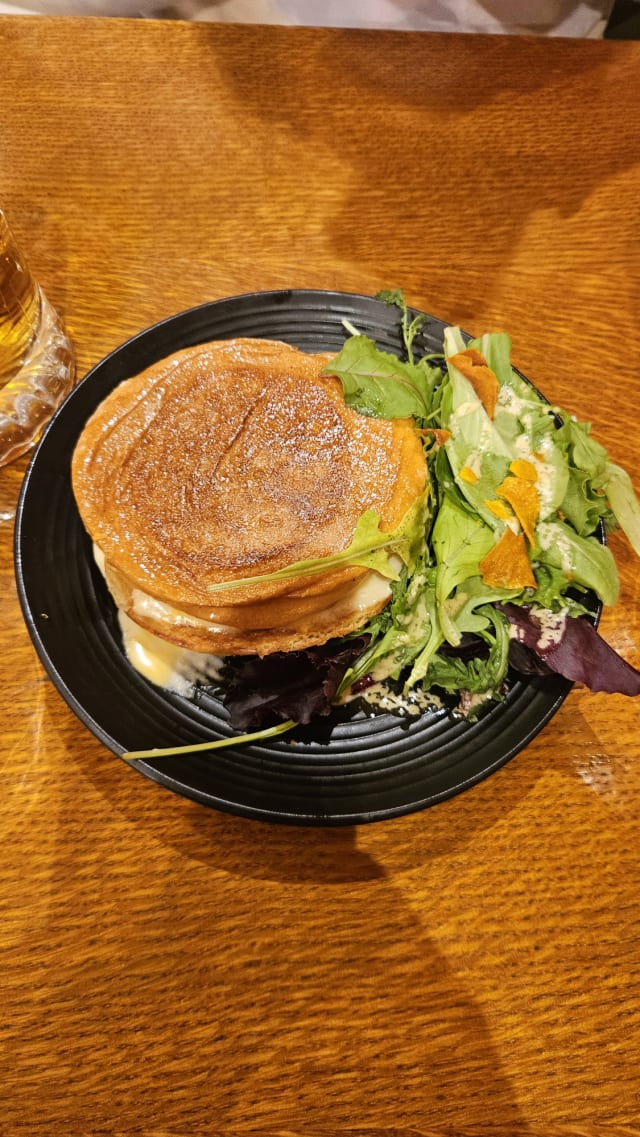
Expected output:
(37, 366)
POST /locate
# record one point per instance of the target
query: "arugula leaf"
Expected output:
(423, 659)
(477, 675)
(468, 607)
(370, 548)
(399, 634)
(582, 507)
(552, 585)
(379, 384)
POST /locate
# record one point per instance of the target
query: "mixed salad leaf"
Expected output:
(297, 685)
(499, 567)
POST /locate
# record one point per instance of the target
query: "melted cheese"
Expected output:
(177, 669)
(159, 661)
(145, 605)
(165, 664)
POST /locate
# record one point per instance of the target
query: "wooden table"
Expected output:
(473, 969)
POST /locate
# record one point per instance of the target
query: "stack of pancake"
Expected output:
(231, 460)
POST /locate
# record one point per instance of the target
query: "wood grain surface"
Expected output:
(472, 970)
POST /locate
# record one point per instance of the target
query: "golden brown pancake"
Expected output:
(230, 460)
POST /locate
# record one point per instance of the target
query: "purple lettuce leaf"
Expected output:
(573, 649)
(298, 685)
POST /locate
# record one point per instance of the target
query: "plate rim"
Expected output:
(148, 768)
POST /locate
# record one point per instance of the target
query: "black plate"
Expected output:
(362, 770)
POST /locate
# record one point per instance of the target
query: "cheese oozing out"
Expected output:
(177, 669)
(167, 665)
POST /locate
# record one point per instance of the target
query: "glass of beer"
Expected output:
(37, 367)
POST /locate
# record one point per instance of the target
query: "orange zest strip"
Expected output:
(523, 469)
(472, 364)
(439, 433)
(507, 565)
(499, 509)
(468, 475)
(524, 501)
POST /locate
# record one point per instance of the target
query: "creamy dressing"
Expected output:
(474, 463)
(466, 408)
(552, 626)
(547, 475)
(383, 699)
(512, 402)
(488, 439)
(550, 537)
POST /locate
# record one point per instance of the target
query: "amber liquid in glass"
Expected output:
(19, 307)
(36, 358)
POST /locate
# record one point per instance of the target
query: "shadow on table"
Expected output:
(282, 852)
(381, 114)
(327, 1006)
(298, 854)
(338, 993)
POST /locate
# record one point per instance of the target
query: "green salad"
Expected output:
(519, 490)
